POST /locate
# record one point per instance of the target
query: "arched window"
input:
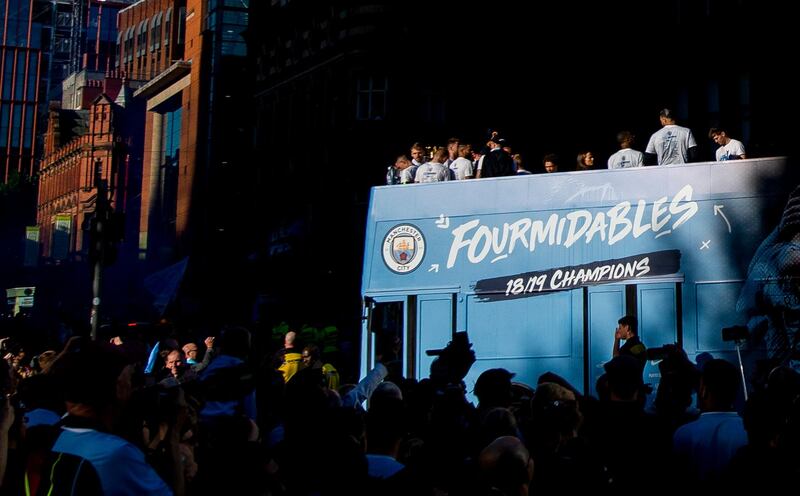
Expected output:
(168, 27)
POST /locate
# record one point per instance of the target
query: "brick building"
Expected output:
(77, 142)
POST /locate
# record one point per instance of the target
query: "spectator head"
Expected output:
(506, 465)
(440, 155)
(550, 162)
(288, 339)
(402, 162)
(418, 152)
(493, 388)
(625, 139)
(310, 355)
(666, 116)
(719, 384)
(629, 322)
(452, 146)
(624, 375)
(94, 377)
(585, 161)
(190, 350)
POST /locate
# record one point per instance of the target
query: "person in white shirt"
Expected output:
(672, 144)
(434, 171)
(626, 156)
(461, 167)
(729, 148)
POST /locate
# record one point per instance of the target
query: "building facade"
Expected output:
(20, 57)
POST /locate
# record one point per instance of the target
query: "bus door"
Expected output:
(402, 327)
(658, 315)
(605, 305)
(655, 305)
(435, 320)
(386, 327)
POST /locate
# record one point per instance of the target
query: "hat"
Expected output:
(492, 380)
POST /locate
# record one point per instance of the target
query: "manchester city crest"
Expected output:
(403, 248)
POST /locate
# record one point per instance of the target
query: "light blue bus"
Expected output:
(538, 269)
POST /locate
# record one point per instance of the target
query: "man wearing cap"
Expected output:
(497, 162)
(672, 144)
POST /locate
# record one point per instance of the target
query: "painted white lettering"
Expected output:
(638, 228)
(643, 266)
(555, 281)
(598, 226)
(518, 231)
(688, 210)
(618, 215)
(458, 241)
(483, 232)
(658, 210)
(573, 234)
(541, 231)
(499, 247)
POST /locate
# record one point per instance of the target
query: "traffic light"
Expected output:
(106, 230)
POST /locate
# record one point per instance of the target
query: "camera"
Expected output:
(460, 342)
(735, 333)
(453, 361)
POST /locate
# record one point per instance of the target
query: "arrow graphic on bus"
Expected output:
(443, 222)
(718, 210)
(434, 268)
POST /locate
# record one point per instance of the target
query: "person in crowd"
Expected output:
(506, 467)
(452, 151)
(461, 167)
(627, 331)
(498, 162)
(519, 165)
(190, 352)
(405, 169)
(705, 447)
(493, 389)
(729, 148)
(418, 156)
(626, 156)
(672, 144)
(585, 161)
(550, 162)
(434, 171)
(96, 385)
(312, 359)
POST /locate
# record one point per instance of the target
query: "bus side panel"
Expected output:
(529, 336)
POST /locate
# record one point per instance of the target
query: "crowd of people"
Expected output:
(672, 144)
(114, 417)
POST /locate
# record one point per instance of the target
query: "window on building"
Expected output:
(5, 114)
(171, 144)
(167, 26)
(180, 23)
(371, 97)
(19, 84)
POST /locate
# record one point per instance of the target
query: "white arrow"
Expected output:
(434, 268)
(718, 210)
(443, 222)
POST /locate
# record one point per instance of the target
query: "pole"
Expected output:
(741, 367)
(101, 207)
